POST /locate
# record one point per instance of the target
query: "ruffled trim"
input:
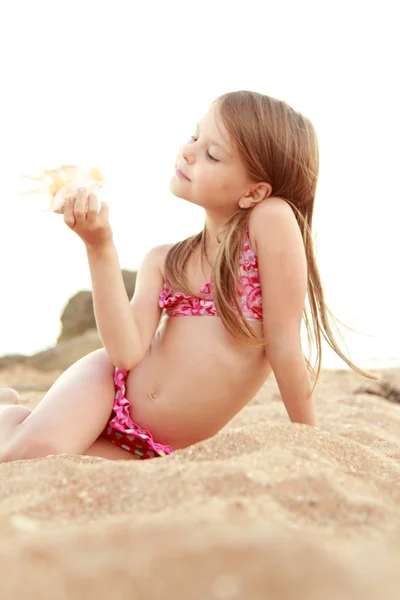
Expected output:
(123, 421)
(180, 304)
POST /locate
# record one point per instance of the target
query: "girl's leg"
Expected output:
(70, 417)
(105, 449)
(10, 414)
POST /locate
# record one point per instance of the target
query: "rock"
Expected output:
(12, 359)
(78, 337)
(59, 357)
(78, 315)
(66, 353)
(385, 389)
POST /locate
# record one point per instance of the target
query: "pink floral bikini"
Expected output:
(121, 430)
(250, 296)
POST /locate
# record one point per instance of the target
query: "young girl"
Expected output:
(233, 298)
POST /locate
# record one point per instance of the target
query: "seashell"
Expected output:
(63, 182)
(70, 189)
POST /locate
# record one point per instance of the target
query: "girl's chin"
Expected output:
(176, 186)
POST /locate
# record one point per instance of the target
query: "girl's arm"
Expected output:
(283, 275)
(126, 329)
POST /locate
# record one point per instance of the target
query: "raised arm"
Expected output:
(126, 328)
(283, 276)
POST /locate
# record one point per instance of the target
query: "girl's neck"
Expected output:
(212, 225)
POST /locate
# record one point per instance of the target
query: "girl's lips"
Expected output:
(179, 173)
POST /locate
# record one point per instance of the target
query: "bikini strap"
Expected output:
(248, 240)
(247, 229)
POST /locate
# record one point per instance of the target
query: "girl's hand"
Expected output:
(82, 216)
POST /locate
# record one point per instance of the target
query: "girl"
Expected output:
(233, 298)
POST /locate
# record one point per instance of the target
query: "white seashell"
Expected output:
(70, 189)
(63, 182)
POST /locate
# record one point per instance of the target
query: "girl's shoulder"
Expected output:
(160, 253)
(273, 213)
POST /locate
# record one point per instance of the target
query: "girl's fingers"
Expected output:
(83, 217)
(93, 207)
(80, 205)
(103, 214)
(69, 212)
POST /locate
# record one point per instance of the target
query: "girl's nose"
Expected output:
(188, 154)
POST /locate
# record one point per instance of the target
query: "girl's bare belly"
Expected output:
(193, 380)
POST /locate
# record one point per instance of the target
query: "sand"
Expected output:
(266, 509)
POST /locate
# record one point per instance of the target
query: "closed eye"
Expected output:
(208, 154)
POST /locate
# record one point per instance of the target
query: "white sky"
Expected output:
(120, 85)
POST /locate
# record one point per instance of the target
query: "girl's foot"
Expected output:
(8, 396)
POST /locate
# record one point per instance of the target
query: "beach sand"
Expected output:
(266, 509)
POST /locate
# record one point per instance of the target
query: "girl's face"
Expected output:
(216, 176)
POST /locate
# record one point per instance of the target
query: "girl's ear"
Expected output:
(259, 192)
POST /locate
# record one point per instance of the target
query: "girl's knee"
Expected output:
(96, 363)
(104, 361)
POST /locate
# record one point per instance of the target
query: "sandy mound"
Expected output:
(266, 509)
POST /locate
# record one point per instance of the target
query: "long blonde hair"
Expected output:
(277, 145)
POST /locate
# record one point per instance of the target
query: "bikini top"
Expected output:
(180, 305)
